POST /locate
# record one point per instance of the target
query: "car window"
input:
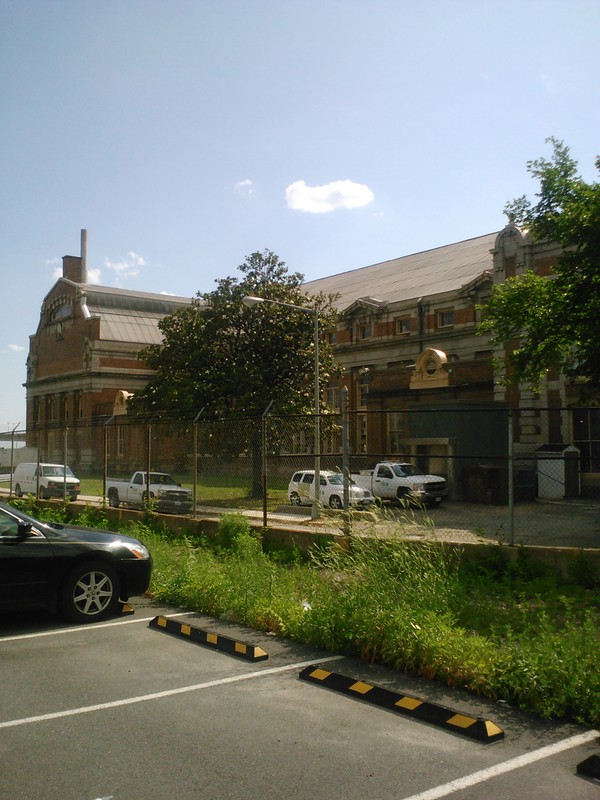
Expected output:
(322, 480)
(384, 472)
(9, 526)
(137, 478)
(161, 478)
(404, 470)
(308, 478)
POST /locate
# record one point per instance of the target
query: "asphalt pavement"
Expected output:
(125, 711)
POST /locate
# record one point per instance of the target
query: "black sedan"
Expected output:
(80, 572)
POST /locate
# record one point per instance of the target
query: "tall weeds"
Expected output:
(511, 631)
(407, 605)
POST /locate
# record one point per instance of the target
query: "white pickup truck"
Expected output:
(165, 494)
(402, 481)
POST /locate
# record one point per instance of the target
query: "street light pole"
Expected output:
(250, 302)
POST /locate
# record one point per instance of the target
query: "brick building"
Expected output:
(406, 337)
(407, 340)
(84, 352)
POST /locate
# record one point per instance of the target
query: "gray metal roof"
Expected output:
(130, 316)
(443, 269)
(129, 327)
(110, 297)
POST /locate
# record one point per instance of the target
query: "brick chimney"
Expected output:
(75, 267)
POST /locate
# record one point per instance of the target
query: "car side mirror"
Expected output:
(24, 530)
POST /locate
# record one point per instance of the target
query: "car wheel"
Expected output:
(90, 592)
(335, 501)
(44, 494)
(18, 491)
(295, 499)
(113, 498)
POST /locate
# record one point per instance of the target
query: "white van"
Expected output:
(51, 481)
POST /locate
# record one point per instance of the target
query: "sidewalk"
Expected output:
(544, 523)
(547, 523)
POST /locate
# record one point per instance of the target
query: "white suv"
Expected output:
(301, 490)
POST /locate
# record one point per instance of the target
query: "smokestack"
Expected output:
(83, 255)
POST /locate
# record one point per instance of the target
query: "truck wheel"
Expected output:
(113, 498)
(335, 501)
(295, 499)
(18, 491)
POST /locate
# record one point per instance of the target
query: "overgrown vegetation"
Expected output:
(511, 630)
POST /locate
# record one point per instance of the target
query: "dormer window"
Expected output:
(364, 331)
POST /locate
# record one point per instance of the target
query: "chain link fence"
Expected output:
(530, 476)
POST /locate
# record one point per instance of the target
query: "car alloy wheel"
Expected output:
(90, 592)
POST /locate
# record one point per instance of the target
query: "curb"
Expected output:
(199, 636)
(473, 727)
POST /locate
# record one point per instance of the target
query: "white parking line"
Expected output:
(87, 628)
(506, 766)
(127, 701)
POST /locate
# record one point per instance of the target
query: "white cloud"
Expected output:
(322, 199)
(129, 267)
(245, 187)
(16, 348)
(93, 273)
(56, 264)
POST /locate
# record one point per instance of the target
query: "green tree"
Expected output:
(232, 360)
(553, 321)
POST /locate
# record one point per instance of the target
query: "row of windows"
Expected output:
(403, 326)
(56, 407)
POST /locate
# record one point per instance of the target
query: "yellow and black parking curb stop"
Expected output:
(474, 727)
(250, 652)
(125, 609)
(590, 768)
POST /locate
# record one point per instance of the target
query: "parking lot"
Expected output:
(125, 711)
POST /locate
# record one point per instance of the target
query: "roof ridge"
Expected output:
(400, 258)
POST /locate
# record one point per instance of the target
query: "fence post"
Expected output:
(65, 459)
(264, 461)
(511, 492)
(346, 462)
(105, 457)
(195, 490)
(12, 459)
(148, 463)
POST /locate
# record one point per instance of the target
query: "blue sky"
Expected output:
(338, 133)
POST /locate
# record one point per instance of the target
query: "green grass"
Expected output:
(222, 492)
(511, 630)
(515, 632)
